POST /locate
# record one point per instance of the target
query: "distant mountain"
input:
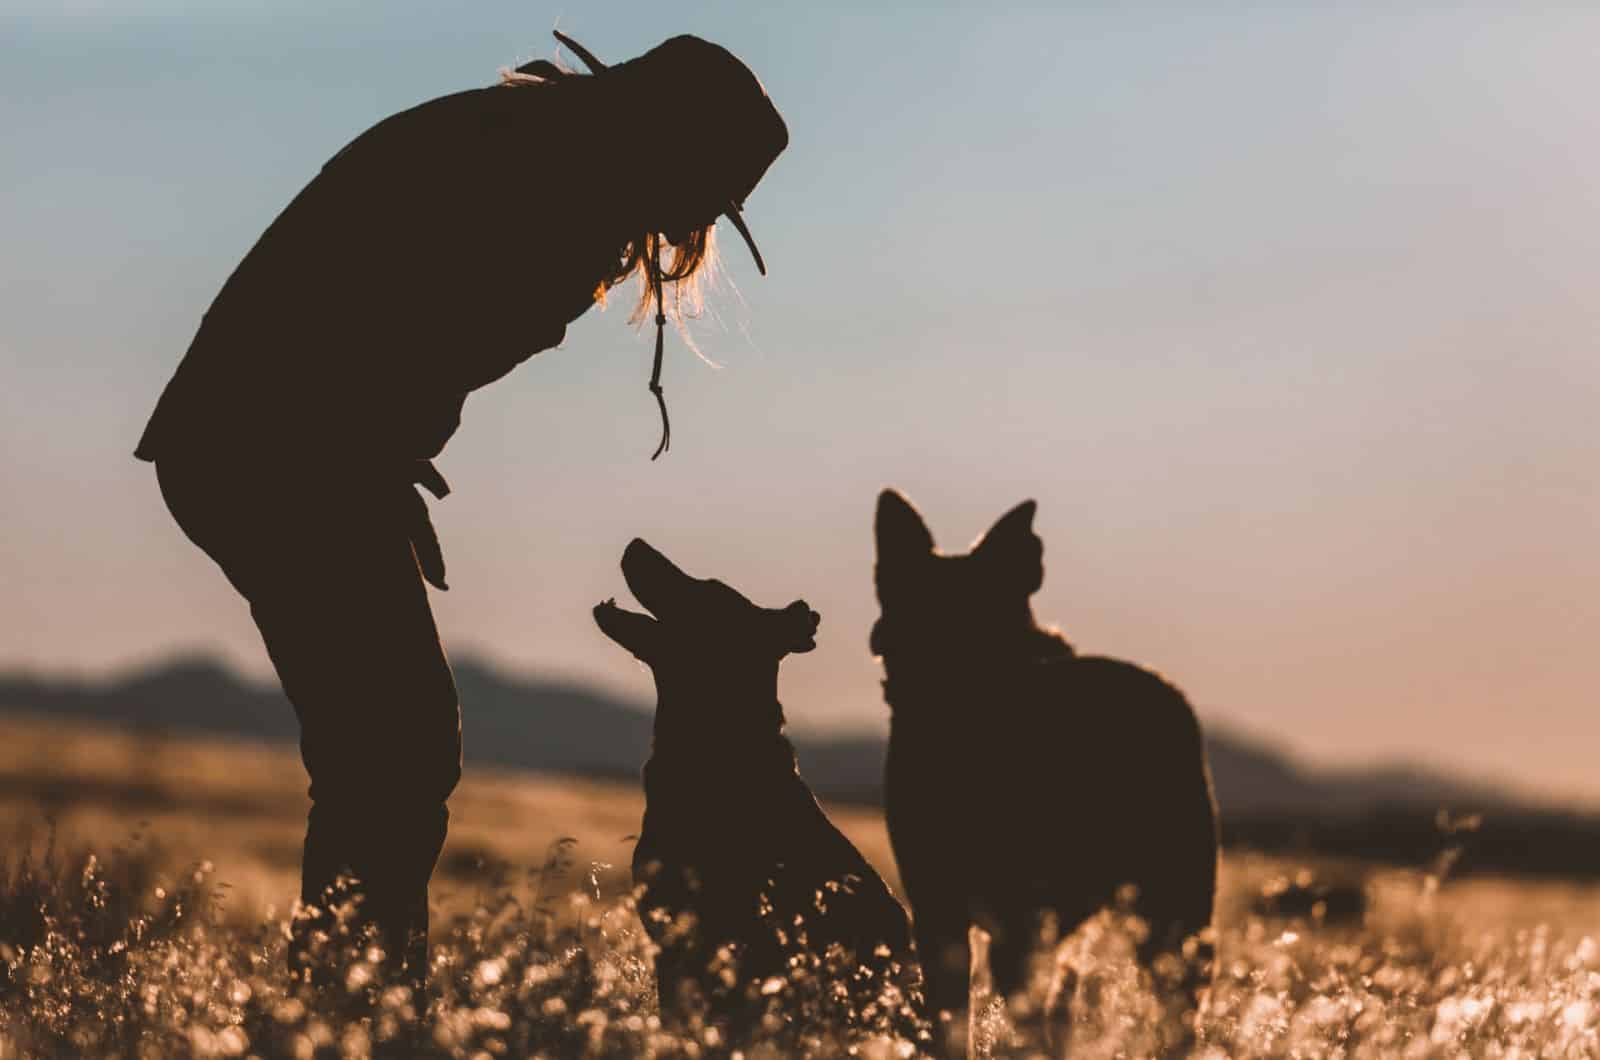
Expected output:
(564, 727)
(526, 724)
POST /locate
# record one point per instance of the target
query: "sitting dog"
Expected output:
(759, 906)
(1024, 780)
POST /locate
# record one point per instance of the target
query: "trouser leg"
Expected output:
(359, 658)
(388, 880)
(333, 585)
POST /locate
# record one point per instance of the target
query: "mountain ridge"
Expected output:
(568, 727)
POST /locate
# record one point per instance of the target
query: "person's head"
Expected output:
(711, 132)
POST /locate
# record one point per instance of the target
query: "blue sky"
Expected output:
(1286, 317)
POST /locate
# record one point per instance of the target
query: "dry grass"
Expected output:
(242, 807)
(130, 952)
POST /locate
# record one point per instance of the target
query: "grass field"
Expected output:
(155, 927)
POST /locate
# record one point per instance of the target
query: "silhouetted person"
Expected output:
(428, 258)
(735, 854)
(1022, 778)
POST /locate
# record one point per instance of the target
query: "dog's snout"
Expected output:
(655, 581)
(638, 551)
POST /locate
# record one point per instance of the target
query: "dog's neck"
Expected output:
(720, 718)
(914, 674)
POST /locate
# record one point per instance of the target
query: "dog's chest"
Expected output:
(731, 824)
(992, 750)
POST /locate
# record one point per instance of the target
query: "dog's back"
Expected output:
(1080, 776)
(1023, 779)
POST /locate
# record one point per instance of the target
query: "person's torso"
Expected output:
(428, 258)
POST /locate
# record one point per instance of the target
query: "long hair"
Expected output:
(692, 263)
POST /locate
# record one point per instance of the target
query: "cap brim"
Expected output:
(736, 216)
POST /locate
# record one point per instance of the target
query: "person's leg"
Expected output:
(334, 589)
(360, 659)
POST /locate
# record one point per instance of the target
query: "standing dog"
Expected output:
(1024, 779)
(759, 906)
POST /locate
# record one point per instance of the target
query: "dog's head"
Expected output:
(931, 601)
(700, 632)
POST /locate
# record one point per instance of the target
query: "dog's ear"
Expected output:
(796, 627)
(1012, 548)
(639, 634)
(900, 531)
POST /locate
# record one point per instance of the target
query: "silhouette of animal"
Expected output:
(1023, 779)
(758, 904)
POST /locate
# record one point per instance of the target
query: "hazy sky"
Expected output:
(1286, 317)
